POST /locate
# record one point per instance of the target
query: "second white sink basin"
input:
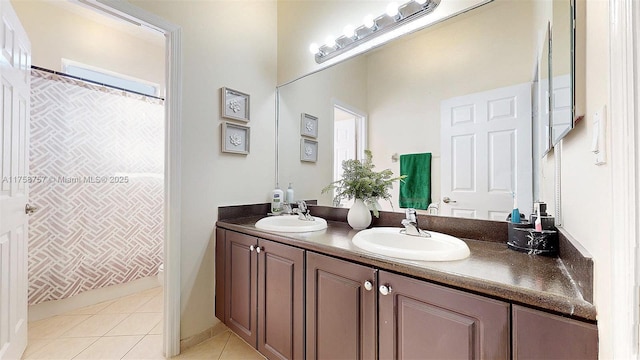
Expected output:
(290, 223)
(389, 241)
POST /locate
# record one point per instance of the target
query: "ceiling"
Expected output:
(89, 12)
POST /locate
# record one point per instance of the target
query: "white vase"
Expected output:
(359, 216)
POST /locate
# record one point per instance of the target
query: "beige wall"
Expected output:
(233, 44)
(586, 190)
(57, 33)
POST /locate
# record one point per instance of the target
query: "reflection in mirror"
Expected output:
(562, 69)
(473, 72)
(542, 122)
(544, 98)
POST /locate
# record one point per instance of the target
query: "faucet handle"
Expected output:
(410, 214)
(302, 206)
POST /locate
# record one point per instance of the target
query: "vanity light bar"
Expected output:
(394, 17)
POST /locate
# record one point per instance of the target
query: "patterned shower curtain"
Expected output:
(96, 165)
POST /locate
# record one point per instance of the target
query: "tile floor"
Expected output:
(126, 328)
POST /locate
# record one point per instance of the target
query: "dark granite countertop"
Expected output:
(491, 270)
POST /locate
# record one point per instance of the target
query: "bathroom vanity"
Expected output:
(315, 295)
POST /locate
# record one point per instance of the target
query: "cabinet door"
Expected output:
(220, 274)
(241, 285)
(420, 320)
(280, 300)
(538, 335)
(341, 312)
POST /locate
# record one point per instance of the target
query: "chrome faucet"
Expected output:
(410, 223)
(303, 212)
(286, 208)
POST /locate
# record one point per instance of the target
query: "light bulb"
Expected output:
(349, 31)
(330, 41)
(421, 2)
(392, 9)
(314, 48)
(368, 21)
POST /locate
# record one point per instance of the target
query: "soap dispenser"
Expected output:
(290, 197)
(277, 196)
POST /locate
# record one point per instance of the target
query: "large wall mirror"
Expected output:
(480, 67)
(563, 97)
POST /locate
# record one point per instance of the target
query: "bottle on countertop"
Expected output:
(277, 196)
(290, 197)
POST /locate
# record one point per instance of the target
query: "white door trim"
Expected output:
(625, 179)
(172, 168)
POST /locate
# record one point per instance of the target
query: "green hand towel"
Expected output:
(415, 190)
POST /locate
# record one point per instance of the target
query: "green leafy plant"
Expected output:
(360, 181)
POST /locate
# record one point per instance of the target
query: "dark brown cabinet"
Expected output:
(264, 289)
(341, 309)
(293, 306)
(539, 335)
(419, 320)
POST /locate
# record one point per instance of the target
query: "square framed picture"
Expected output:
(235, 105)
(308, 150)
(308, 125)
(235, 138)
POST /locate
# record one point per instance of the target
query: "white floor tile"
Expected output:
(136, 324)
(96, 325)
(150, 347)
(109, 347)
(60, 349)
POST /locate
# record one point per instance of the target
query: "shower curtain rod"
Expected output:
(93, 82)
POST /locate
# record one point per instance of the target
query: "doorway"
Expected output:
(349, 139)
(171, 165)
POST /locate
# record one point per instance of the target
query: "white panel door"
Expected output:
(15, 63)
(487, 153)
(344, 145)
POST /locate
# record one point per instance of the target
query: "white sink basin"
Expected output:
(390, 242)
(290, 223)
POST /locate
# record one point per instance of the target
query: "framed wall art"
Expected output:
(308, 150)
(235, 138)
(235, 105)
(308, 125)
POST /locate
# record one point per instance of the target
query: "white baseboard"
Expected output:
(57, 307)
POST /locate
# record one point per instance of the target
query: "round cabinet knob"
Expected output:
(251, 248)
(385, 289)
(259, 249)
(368, 285)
